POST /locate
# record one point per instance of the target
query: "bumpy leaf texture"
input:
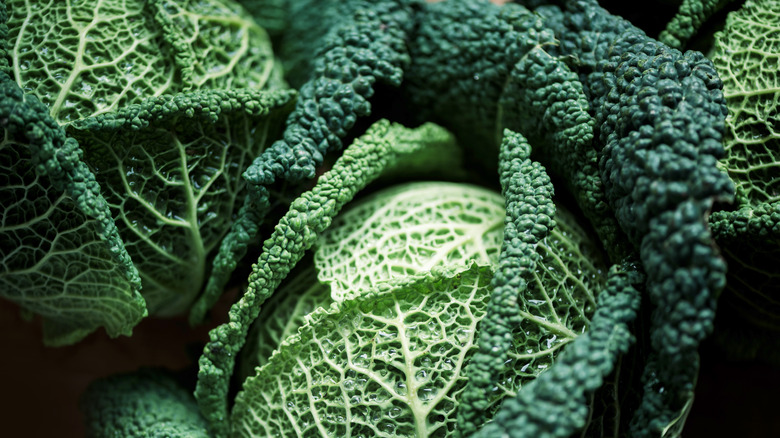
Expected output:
(689, 18)
(296, 232)
(409, 229)
(744, 55)
(478, 68)
(543, 293)
(385, 364)
(92, 62)
(366, 44)
(555, 309)
(62, 255)
(142, 404)
(659, 118)
(90, 57)
(556, 403)
(432, 223)
(282, 315)
(171, 171)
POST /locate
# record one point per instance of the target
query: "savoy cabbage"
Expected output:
(160, 109)
(545, 208)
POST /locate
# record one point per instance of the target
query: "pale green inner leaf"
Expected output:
(406, 230)
(746, 55)
(388, 364)
(358, 343)
(84, 58)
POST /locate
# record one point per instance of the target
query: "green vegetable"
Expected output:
(346, 62)
(282, 315)
(375, 348)
(496, 62)
(401, 231)
(295, 233)
(535, 298)
(62, 254)
(146, 148)
(171, 168)
(529, 219)
(158, 150)
(749, 232)
(146, 403)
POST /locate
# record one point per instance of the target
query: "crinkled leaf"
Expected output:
(345, 67)
(409, 229)
(659, 115)
(744, 55)
(556, 308)
(297, 231)
(556, 403)
(171, 171)
(689, 18)
(142, 404)
(217, 43)
(385, 364)
(94, 56)
(543, 292)
(281, 317)
(430, 224)
(62, 256)
(559, 299)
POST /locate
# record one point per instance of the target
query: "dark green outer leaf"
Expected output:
(62, 255)
(351, 59)
(478, 68)
(5, 61)
(660, 120)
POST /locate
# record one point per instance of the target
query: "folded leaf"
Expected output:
(556, 403)
(171, 171)
(409, 229)
(386, 364)
(94, 56)
(295, 233)
(62, 254)
(340, 81)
